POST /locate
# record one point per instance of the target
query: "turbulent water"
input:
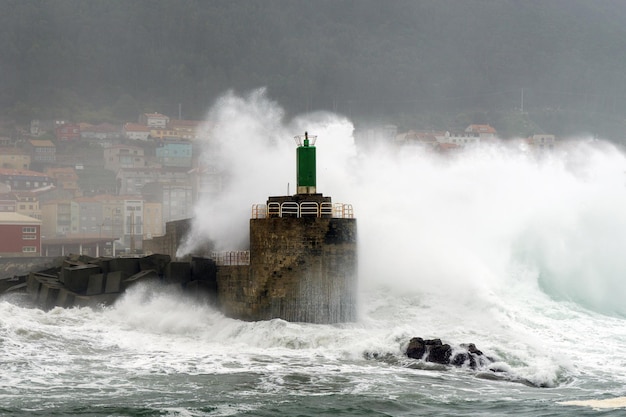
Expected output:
(519, 253)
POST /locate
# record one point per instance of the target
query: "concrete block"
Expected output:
(177, 273)
(65, 298)
(114, 281)
(33, 286)
(128, 265)
(203, 269)
(143, 276)
(76, 278)
(48, 295)
(157, 262)
(95, 301)
(105, 264)
(95, 284)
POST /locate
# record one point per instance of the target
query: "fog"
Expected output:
(524, 67)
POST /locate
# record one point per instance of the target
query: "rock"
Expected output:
(433, 350)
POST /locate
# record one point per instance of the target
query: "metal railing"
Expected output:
(303, 209)
(231, 258)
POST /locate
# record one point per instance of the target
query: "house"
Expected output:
(8, 202)
(90, 215)
(65, 178)
(27, 203)
(483, 131)
(42, 152)
(413, 137)
(133, 224)
(21, 235)
(185, 129)
(68, 132)
(460, 138)
(105, 134)
(153, 120)
(123, 156)
(132, 180)
(59, 218)
(542, 141)
(176, 198)
(153, 224)
(160, 135)
(207, 181)
(374, 135)
(175, 154)
(14, 158)
(23, 179)
(134, 131)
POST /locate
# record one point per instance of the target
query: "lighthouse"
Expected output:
(302, 259)
(305, 166)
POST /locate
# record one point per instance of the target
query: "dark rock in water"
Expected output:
(435, 351)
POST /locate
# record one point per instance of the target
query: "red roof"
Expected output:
(11, 171)
(136, 127)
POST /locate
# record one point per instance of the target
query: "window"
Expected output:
(29, 237)
(29, 230)
(29, 249)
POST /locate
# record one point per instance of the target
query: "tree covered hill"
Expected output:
(110, 59)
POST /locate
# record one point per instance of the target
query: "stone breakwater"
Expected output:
(84, 281)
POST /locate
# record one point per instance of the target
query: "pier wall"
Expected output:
(301, 269)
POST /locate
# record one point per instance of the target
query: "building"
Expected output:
(23, 179)
(42, 152)
(106, 134)
(459, 138)
(175, 154)
(154, 120)
(542, 142)
(90, 215)
(417, 137)
(134, 131)
(27, 203)
(21, 235)
(65, 178)
(483, 131)
(185, 129)
(112, 215)
(160, 135)
(14, 158)
(207, 181)
(131, 181)
(175, 197)
(123, 156)
(59, 218)
(8, 202)
(153, 224)
(133, 224)
(68, 132)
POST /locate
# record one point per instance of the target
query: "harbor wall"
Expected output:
(301, 269)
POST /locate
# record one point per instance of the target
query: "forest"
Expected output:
(555, 66)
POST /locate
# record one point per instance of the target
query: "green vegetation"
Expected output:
(400, 60)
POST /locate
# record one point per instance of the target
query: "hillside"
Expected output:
(105, 60)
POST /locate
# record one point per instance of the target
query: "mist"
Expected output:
(463, 226)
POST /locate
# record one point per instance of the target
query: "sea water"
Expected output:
(517, 251)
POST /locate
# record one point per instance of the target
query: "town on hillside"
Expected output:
(105, 190)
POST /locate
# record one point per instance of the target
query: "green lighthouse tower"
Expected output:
(305, 164)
